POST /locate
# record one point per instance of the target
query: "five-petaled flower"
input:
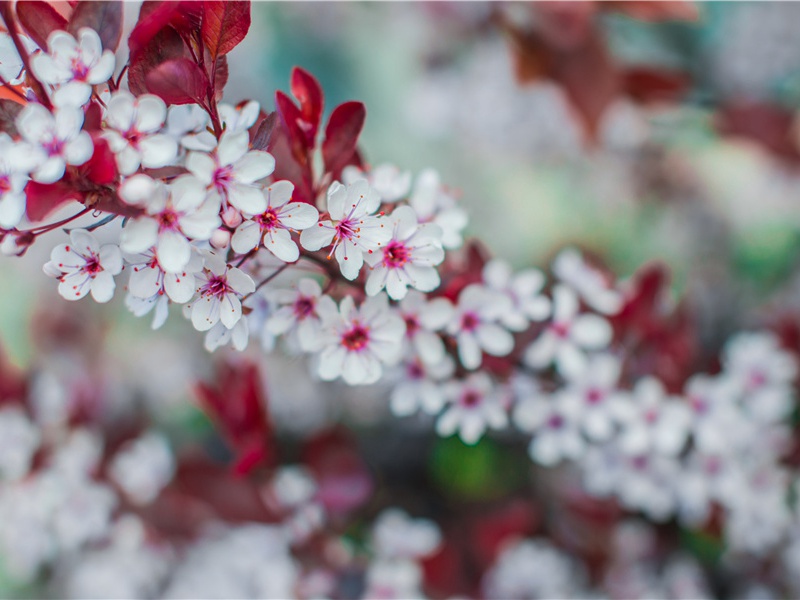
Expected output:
(352, 229)
(83, 265)
(220, 289)
(273, 226)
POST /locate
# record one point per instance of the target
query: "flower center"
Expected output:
(346, 229)
(217, 286)
(5, 184)
(134, 136)
(395, 254)
(222, 177)
(469, 321)
(356, 338)
(555, 422)
(412, 325)
(756, 380)
(651, 416)
(168, 220)
(303, 307)
(268, 220)
(79, 69)
(594, 396)
(92, 266)
(470, 399)
(415, 371)
(560, 329)
(54, 146)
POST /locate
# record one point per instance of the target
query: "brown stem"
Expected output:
(11, 24)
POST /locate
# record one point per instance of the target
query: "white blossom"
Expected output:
(56, 137)
(83, 266)
(220, 288)
(143, 467)
(473, 406)
(352, 229)
(133, 132)
(73, 66)
(388, 181)
(433, 203)
(298, 314)
(408, 259)
(571, 268)
(523, 290)
(273, 227)
(474, 324)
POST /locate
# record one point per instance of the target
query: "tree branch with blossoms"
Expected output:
(224, 207)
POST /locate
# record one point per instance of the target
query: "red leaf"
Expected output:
(225, 24)
(237, 404)
(43, 198)
(291, 119)
(308, 92)
(653, 85)
(101, 169)
(13, 383)
(178, 81)
(153, 17)
(166, 45)
(768, 124)
(341, 135)
(39, 19)
(104, 16)
(654, 11)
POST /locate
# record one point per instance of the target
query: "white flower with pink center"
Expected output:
(593, 287)
(273, 227)
(174, 213)
(83, 266)
(391, 183)
(523, 290)
(473, 406)
(73, 66)
(408, 259)
(17, 159)
(357, 342)
(570, 334)
(233, 172)
(423, 319)
(763, 372)
(150, 288)
(653, 422)
(220, 289)
(474, 323)
(593, 396)
(299, 313)
(433, 203)
(352, 229)
(555, 429)
(133, 128)
(420, 387)
(56, 137)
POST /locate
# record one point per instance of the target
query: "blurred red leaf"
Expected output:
(658, 10)
(104, 16)
(344, 481)
(645, 84)
(308, 92)
(237, 404)
(263, 132)
(101, 168)
(341, 135)
(39, 19)
(767, 124)
(492, 529)
(13, 382)
(225, 25)
(291, 118)
(178, 81)
(41, 199)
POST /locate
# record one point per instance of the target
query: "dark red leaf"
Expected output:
(655, 85)
(769, 125)
(308, 92)
(263, 134)
(104, 16)
(220, 76)
(166, 45)
(8, 115)
(43, 198)
(291, 119)
(39, 19)
(13, 382)
(654, 11)
(341, 135)
(237, 404)
(225, 25)
(93, 119)
(287, 167)
(153, 17)
(178, 81)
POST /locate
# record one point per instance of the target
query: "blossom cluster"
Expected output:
(267, 232)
